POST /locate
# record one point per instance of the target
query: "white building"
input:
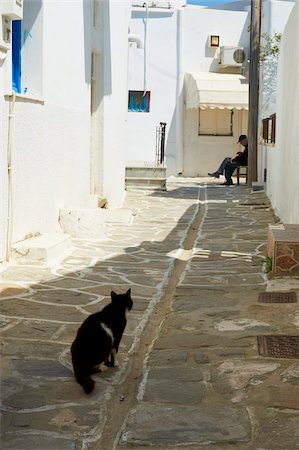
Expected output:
(70, 72)
(178, 52)
(278, 161)
(282, 158)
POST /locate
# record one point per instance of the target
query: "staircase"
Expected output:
(146, 178)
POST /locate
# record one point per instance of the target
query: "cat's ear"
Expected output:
(129, 292)
(113, 295)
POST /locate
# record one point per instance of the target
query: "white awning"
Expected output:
(216, 90)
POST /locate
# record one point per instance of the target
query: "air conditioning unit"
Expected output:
(232, 56)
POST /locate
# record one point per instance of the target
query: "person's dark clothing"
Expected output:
(240, 160)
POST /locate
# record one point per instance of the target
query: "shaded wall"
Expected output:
(283, 159)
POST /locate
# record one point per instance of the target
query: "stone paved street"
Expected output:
(190, 375)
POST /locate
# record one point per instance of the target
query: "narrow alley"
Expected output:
(191, 372)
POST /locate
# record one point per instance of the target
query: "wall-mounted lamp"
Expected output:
(214, 41)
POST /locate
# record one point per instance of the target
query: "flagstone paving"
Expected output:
(200, 382)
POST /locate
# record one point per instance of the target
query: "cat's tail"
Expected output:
(86, 382)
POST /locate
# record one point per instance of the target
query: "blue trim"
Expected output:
(16, 56)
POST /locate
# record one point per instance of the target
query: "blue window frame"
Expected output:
(16, 56)
(138, 101)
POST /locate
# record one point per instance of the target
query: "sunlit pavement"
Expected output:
(203, 383)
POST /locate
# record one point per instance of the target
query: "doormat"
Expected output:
(278, 346)
(278, 297)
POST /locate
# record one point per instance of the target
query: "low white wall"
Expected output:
(283, 160)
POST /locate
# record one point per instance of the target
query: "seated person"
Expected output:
(229, 164)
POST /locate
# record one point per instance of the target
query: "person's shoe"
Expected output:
(214, 174)
(227, 183)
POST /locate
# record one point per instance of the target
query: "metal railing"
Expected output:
(160, 143)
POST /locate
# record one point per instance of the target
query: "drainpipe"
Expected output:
(179, 111)
(144, 56)
(9, 176)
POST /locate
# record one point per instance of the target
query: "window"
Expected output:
(138, 101)
(27, 50)
(215, 122)
(269, 129)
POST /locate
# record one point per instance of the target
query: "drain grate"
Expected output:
(277, 297)
(278, 346)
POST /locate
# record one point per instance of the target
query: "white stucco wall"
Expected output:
(161, 80)
(115, 100)
(275, 14)
(199, 24)
(203, 154)
(5, 88)
(283, 160)
(3, 175)
(51, 139)
(177, 42)
(50, 165)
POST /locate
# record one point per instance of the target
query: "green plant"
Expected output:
(270, 46)
(268, 264)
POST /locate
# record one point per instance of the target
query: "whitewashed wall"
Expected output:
(203, 154)
(199, 24)
(161, 80)
(51, 139)
(3, 175)
(274, 18)
(177, 42)
(115, 99)
(283, 159)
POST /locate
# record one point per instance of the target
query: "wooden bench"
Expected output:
(243, 173)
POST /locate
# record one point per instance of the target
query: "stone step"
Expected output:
(146, 183)
(42, 249)
(283, 248)
(146, 172)
(91, 223)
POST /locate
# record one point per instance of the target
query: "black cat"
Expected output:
(98, 338)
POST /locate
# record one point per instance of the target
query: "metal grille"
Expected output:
(278, 297)
(239, 56)
(279, 346)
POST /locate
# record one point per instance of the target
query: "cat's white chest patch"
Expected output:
(108, 330)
